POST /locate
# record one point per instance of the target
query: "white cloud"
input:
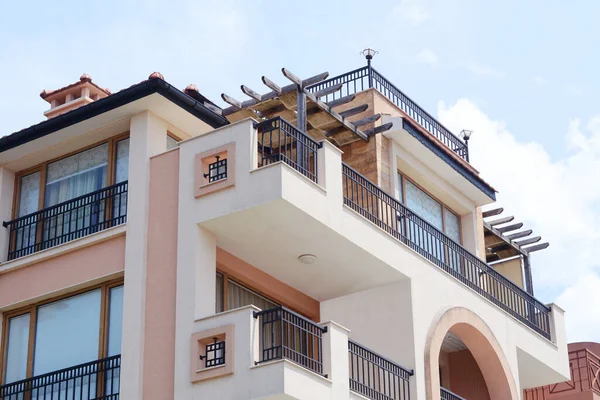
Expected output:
(411, 11)
(428, 57)
(484, 70)
(539, 80)
(558, 199)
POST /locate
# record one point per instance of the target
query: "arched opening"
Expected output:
(463, 356)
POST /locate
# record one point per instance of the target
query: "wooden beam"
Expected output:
(509, 228)
(271, 85)
(501, 220)
(528, 241)
(251, 93)
(368, 120)
(335, 131)
(491, 213)
(291, 77)
(519, 234)
(537, 247)
(231, 100)
(329, 90)
(315, 79)
(353, 111)
(341, 100)
(379, 129)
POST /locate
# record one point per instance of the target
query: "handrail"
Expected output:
(445, 394)
(281, 141)
(363, 78)
(405, 225)
(92, 380)
(285, 334)
(375, 376)
(69, 220)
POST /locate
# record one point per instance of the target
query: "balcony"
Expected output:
(279, 141)
(279, 353)
(367, 77)
(98, 380)
(67, 221)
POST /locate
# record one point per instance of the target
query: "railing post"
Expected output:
(335, 359)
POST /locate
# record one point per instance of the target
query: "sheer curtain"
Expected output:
(67, 179)
(29, 196)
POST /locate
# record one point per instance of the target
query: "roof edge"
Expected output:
(109, 103)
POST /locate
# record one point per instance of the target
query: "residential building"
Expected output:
(584, 382)
(324, 239)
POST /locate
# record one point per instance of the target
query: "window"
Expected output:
(63, 333)
(428, 208)
(232, 295)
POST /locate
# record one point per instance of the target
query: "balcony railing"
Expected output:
(67, 221)
(393, 217)
(376, 377)
(367, 77)
(445, 394)
(98, 380)
(284, 334)
(281, 141)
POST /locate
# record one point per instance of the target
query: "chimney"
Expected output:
(73, 96)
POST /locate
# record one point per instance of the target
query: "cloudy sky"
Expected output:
(522, 75)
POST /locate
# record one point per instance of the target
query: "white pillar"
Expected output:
(148, 137)
(329, 172)
(7, 185)
(335, 359)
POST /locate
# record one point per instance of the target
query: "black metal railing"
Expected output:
(376, 377)
(285, 334)
(67, 221)
(367, 77)
(405, 225)
(445, 394)
(281, 141)
(98, 380)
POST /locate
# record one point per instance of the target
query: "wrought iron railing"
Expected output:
(445, 394)
(285, 334)
(376, 377)
(405, 225)
(67, 221)
(281, 141)
(98, 380)
(366, 77)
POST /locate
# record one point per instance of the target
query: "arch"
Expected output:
(480, 341)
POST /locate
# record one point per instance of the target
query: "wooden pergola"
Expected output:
(504, 240)
(303, 108)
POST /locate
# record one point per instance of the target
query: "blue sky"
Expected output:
(522, 75)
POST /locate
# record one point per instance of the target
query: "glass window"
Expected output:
(29, 194)
(219, 306)
(67, 332)
(171, 142)
(238, 296)
(122, 169)
(76, 175)
(452, 222)
(400, 189)
(115, 321)
(424, 205)
(16, 354)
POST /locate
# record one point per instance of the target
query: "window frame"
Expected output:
(403, 178)
(31, 309)
(226, 278)
(42, 168)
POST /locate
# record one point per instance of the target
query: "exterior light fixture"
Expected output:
(369, 53)
(307, 258)
(466, 134)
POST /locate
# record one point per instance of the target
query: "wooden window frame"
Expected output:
(403, 178)
(31, 309)
(43, 168)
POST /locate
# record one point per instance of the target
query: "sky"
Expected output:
(521, 74)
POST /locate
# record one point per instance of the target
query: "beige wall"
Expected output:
(512, 270)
